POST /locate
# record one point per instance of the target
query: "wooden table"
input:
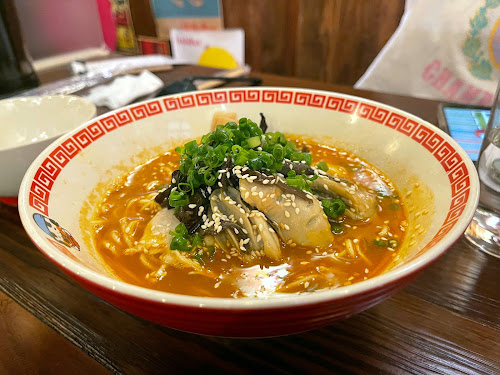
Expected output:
(447, 321)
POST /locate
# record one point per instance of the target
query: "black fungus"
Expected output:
(263, 124)
(189, 216)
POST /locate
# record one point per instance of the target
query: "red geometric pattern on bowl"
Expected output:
(116, 120)
(89, 134)
(336, 103)
(146, 110)
(244, 96)
(451, 161)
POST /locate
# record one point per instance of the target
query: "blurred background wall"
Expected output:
(329, 40)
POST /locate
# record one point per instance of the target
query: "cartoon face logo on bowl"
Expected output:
(55, 231)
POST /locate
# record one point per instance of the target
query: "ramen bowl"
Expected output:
(28, 125)
(436, 180)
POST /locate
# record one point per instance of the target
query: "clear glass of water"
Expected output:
(484, 230)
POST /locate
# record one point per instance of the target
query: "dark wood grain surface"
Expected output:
(447, 321)
(330, 40)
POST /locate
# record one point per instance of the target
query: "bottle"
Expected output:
(16, 72)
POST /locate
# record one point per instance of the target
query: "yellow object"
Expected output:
(216, 57)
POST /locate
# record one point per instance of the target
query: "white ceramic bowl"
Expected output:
(435, 176)
(28, 125)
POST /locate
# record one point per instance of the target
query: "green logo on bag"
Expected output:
(479, 64)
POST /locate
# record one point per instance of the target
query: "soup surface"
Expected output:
(361, 248)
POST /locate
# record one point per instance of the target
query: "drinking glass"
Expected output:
(484, 230)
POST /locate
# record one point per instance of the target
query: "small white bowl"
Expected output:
(28, 125)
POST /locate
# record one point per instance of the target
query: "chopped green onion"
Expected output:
(394, 206)
(253, 142)
(181, 229)
(185, 187)
(333, 208)
(390, 243)
(323, 166)
(198, 258)
(236, 142)
(180, 243)
(278, 152)
(178, 198)
(191, 147)
(210, 178)
(197, 240)
(337, 228)
(183, 241)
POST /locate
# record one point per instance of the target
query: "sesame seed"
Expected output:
(306, 284)
(286, 226)
(219, 183)
(192, 205)
(297, 210)
(287, 214)
(261, 194)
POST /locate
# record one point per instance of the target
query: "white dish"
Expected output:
(28, 125)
